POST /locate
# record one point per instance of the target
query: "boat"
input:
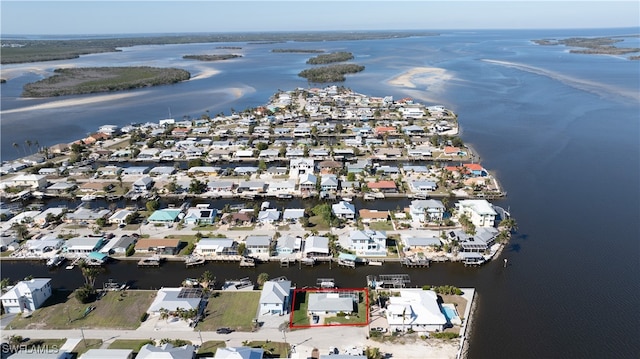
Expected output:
(55, 261)
(191, 282)
(192, 261)
(88, 197)
(284, 196)
(374, 263)
(243, 284)
(150, 262)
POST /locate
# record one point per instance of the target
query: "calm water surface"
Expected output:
(561, 130)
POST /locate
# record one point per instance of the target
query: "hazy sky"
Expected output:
(112, 17)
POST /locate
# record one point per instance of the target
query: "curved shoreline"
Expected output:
(428, 76)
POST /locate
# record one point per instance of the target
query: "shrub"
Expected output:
(85, 294)
(130, 250)
(426, 287)
(445, 335)
(143, 317)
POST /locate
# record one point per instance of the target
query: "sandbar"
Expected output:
(205, 73)
(72, 102)
(421, 76)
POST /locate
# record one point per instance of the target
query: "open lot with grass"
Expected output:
(115, 310)
(87, 344)
(381, 226)
(235, 310)
(358, 318)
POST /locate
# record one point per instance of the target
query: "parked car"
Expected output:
(223, 330)
(379, 329)
(316, 319)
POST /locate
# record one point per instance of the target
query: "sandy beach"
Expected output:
(72, 102)
(205, 73)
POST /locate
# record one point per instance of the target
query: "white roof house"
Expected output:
(429, 210)
(239, 353)
(344, 209)
(292, 214)
(258, 244)
(173, 298)
(416, 309)
(120, 216)
(107, 354)
(269, 216)
(166, 351)
(27, 295)
(298, 166)
(288, 244)
(42, 246)
(325, 303)
(315, 246)
(275, 297)
(479, 211)
(216, 246)
(368, 242)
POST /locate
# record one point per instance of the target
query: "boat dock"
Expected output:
(415, 262)
(247, 262)
(150, 262)
(194, 261)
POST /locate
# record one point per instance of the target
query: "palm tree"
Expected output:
(262, 278)
(15, 145)
(90, 273)
(207, 279)
(29, 143)
(509, 224)
(37, 144)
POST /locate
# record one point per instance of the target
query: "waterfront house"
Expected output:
(219, 186)
(368, 242)
(275, 297)
(216, 246)
(85, 215)
(330, 166)
(319, 153)
(388, 153)
(426, 210)
(205, 170)
(422, 186)
(454, 151)
(269, 154)
(269, 216)
(165, 216)
(344, 210)
(61, 187)
(315, 246)
(383, 186)
(419, 153)
(252, 186)
(172, 299)
(258, 244)
(287, 245)
(239, 353)
(277, 171)
(413, 130)
(420, 241)
(281, 187)
(9, 244)
(135, 171)
(120, 217)
(292, 214)
(299, 166)
(83, 245)
(147, 154)
(245, 170)
(475, 170)
(369, 215)
(307, 182)
(479, 211)
(38, 247)
(360, 166)
(329, 183)
(200, 214)
(162, 171)
(169, 246)
(323, 303)
(415, 309)
(238, 219)
(118, 246)
(344, 154)
(53, 212)
(110, 170)
(142, 184)
(295, 153)
(479, 242)
(36, 182)
(26, 295)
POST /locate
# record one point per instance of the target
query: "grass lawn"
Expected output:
(87, 344)
(357, 318)
(381, 226)
(300, 316)
(235, 310)
(133, 344)
(208, 349)
(319, 224)
(247, 228)
(45, 343)
(116, 310)
(272, 349)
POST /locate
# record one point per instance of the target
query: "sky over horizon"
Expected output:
(74, 17)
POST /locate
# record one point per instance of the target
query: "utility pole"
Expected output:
(83, 339)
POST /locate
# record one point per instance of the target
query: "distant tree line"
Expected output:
(211, 57)
(74, 81)
(333, 73)
(329, 58)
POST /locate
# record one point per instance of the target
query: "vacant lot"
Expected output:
(116, 310)
(235, 310)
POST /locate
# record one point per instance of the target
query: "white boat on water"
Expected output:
(55, 261)
(88, 197)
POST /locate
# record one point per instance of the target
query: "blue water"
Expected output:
(560, 130)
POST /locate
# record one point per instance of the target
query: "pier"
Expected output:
(413, 262)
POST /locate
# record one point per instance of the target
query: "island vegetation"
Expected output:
(211, 57)
(332, 73)
(596, 45)
(302, 51)
(329, 58)
(74, 81)
(23, 50)
(2, 81)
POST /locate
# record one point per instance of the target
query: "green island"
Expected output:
(332, 73)
(593, 46)
(302, 51)
(21, 50)
(211, 57)
(329, 58)
(75, 81)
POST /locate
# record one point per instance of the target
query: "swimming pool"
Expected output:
(450, 313)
